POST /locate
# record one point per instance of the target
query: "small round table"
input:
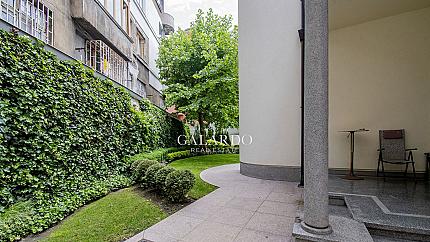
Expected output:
(351, 175)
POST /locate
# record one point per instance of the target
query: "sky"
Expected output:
(184, 11)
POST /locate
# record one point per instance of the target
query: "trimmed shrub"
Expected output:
(178, 155)
(140, 171)
(158, 154)
(160, 177)
(149, 179)
(178, 184)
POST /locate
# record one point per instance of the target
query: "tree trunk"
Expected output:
(202, 129)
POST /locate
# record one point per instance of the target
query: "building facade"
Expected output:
(119, 39)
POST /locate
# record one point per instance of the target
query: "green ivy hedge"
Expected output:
(62, 129)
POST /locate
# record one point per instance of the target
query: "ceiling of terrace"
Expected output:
(343, 13)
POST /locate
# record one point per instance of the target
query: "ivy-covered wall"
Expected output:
(62, 129)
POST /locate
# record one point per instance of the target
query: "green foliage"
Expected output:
(150, 174)
(113, 218)
(43, 210)
(212, 142)
(64, 134)
(178, 155)
(200, 163)
(178, 184)
(200, 68)
(160, 177)
(164, 129)
(140, 171)
(158, 154)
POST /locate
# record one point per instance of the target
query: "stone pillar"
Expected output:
(316, 218)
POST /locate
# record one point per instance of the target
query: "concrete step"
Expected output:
(382, 222)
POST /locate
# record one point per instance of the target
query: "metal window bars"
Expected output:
(106, 61)
(31, 16)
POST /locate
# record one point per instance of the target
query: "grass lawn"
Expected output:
(198, 164)
(115, 217)
(127, 212)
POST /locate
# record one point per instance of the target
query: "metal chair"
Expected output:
(392, 150)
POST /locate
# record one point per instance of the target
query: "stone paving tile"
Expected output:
(155, 236)
(270, 223)
(283, 197)
(248, 235)
(244, 203)
(242, 209)
(174, 227)
(278, 208)
(211, 231)
(232, 216)
(199, 209)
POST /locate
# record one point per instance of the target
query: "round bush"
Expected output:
(139, 172)
(160, 177)
(149, 180)
(178, 184)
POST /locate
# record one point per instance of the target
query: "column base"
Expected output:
(318, 231)
(343, 229)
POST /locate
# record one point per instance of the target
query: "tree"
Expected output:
(199, 66)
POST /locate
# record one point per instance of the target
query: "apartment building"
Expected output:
(119, 39)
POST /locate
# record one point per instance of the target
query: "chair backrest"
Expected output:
(392, 144)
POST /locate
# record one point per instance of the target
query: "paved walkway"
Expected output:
(241, 209)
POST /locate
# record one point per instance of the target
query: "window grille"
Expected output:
(31, 16)
(106, 61)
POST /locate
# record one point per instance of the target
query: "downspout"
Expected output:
(302, 105)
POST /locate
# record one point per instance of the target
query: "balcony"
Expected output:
(168, 23)
(98, 24)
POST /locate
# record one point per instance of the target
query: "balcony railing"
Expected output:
(104, 60)
(31, 16)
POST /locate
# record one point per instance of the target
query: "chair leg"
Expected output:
(383, 170)
(413, 167)
(377, 170)
(406, 170)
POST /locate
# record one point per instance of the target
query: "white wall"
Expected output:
(269, 77)
(380, 79)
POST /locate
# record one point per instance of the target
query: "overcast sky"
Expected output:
(184, 11)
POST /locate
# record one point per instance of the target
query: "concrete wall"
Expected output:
(148, 19)
(269, 77)
(380, 79)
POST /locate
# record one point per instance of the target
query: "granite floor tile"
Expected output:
(232, 216)
(211, 231)
(270, 223)
(278, 208)
(283, 197)
(244, 203)
(174, 227)
(247, 235)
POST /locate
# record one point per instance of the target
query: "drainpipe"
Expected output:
(316, 217)
(302, 104)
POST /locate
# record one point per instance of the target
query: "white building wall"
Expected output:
(269, 80)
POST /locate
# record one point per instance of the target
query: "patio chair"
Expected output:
(392, 150)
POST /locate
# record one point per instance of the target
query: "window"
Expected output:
(161, 29)
(141, 88)
(141, 45)
(31, 16)
(125, 17)
(106, 61)
(142, 4)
